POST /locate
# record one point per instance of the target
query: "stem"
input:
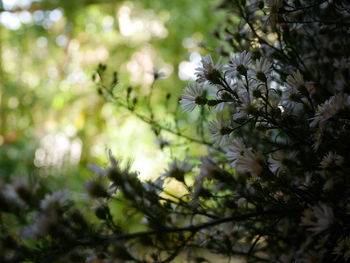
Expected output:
(151, 122)
(196, 228)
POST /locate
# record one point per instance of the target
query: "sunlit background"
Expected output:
(52, 121)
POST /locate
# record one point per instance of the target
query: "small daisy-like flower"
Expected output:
(208, 170)
(178, 170)
(239, 63)
(194, 96)
(262, 69)
(296, 80)
(209, 71)
(234, 150)
(243, 159)
(277, 161)
(330, 108)
(331, 158)
(43, 225)
(291, 101)
(56, 200)
(343, 248)
(20, 191)
(245, 108)
(273, 8)
(318, 218)
(249, 162)
(220, 130)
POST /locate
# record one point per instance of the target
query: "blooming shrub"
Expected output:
(274, 186)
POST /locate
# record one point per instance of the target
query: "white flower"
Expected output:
(57, 199)
(296, 80)
(43, 225)
(293, 95)
(273, 8)
(243, 159)
(193, 96)
(331, 158)
(209, 71)
(249, 162)
(238, 63)
(277, 161)
(19, 192)
(330, 108)
(208, 170)
(234, 150)
(245, 108)
(290, 101)
(242, 59)
(318, 218)
(262, 68)
(220, 130)
(178, 170)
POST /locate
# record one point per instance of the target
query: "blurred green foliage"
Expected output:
(52, 123)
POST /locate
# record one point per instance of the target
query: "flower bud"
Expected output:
(96, 190)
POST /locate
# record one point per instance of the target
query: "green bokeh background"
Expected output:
(52, 121)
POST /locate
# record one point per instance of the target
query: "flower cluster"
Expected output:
(273, 185)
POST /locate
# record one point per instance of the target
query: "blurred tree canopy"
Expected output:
(50, 116)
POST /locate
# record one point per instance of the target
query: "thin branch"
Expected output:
(196, 228)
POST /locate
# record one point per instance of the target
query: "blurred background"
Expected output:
(52, 121)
